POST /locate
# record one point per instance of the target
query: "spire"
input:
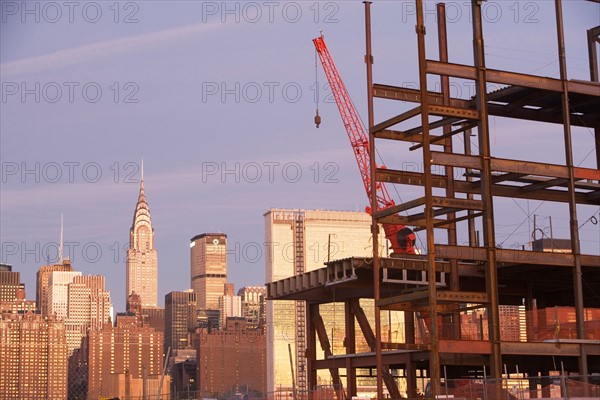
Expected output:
(142, 211)
(60, 245)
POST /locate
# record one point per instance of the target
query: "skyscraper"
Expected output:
(57, 294)
(33, 357)
(299, 241)
(43, 280)
(10, 284)
(142, 259)
(88, 307)
(208, 267)
(180, 319)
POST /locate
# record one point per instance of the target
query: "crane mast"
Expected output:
(401, 237)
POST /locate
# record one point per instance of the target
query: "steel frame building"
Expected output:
(474, 276)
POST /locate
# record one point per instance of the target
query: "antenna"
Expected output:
(142, 169)
(60, 245)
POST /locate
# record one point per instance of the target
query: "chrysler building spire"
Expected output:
(142, 259)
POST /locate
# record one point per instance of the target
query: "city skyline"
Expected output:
(84, 158)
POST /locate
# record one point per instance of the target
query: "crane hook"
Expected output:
(317, 119)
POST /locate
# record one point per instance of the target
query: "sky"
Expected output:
(218, 99)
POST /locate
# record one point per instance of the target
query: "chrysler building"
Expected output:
(142, 259)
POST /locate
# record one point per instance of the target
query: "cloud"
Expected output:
(85, 53)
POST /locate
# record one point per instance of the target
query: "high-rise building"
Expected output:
(33, 357)
(123, 353)
(229, 305)
(232, 361)
(10, 284)
(180, 320)
(208, 267)
(142, 258)
(88, 307)
(43, 280)
(254, 305)
(57, 293)
(299, 241)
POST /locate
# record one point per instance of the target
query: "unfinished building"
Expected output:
(459, 300)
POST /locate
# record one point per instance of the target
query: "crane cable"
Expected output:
(317, 116)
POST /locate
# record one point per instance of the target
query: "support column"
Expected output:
(350, 343)
(311, 350)
(373, 198)
(451, 323)
(489, 238)
(434, 358)
(574, 224)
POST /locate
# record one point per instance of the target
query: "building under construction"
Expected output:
(470, 311)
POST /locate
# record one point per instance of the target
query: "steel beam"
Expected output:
(350, 344)
(510, 78)
(388, 123)
(326, 346)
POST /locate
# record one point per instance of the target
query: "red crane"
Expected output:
(401, 237)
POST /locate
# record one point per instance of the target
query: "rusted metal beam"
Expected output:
(406, 220)
(466, 346)
(350, 345)
(446, 111)
(459, 204)
(510, 78)
(404, 346)
(417, 179)
(399, 208)
(506, 177)
(545, 184)
(442, 295)
(446, 135)
(565, 87)
(414, 95)
(408, 177)
(593, 36)
(363, 322)
(326, 346)
(433, 125)
(489, 236)
(311, 349)
(515, 166)
(396, 120)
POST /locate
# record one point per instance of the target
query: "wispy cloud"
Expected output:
(106, 48)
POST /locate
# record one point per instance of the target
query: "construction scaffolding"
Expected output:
(464, 315)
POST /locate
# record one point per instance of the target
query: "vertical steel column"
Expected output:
(373, 195)
(311, 350)
(575, 247)
(409, 337)
(350, 343)
(593, 37)
(454, 328)
(471, 221)
(434, 357)
(491, 275)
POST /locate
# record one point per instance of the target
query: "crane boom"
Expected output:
(402, 238)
